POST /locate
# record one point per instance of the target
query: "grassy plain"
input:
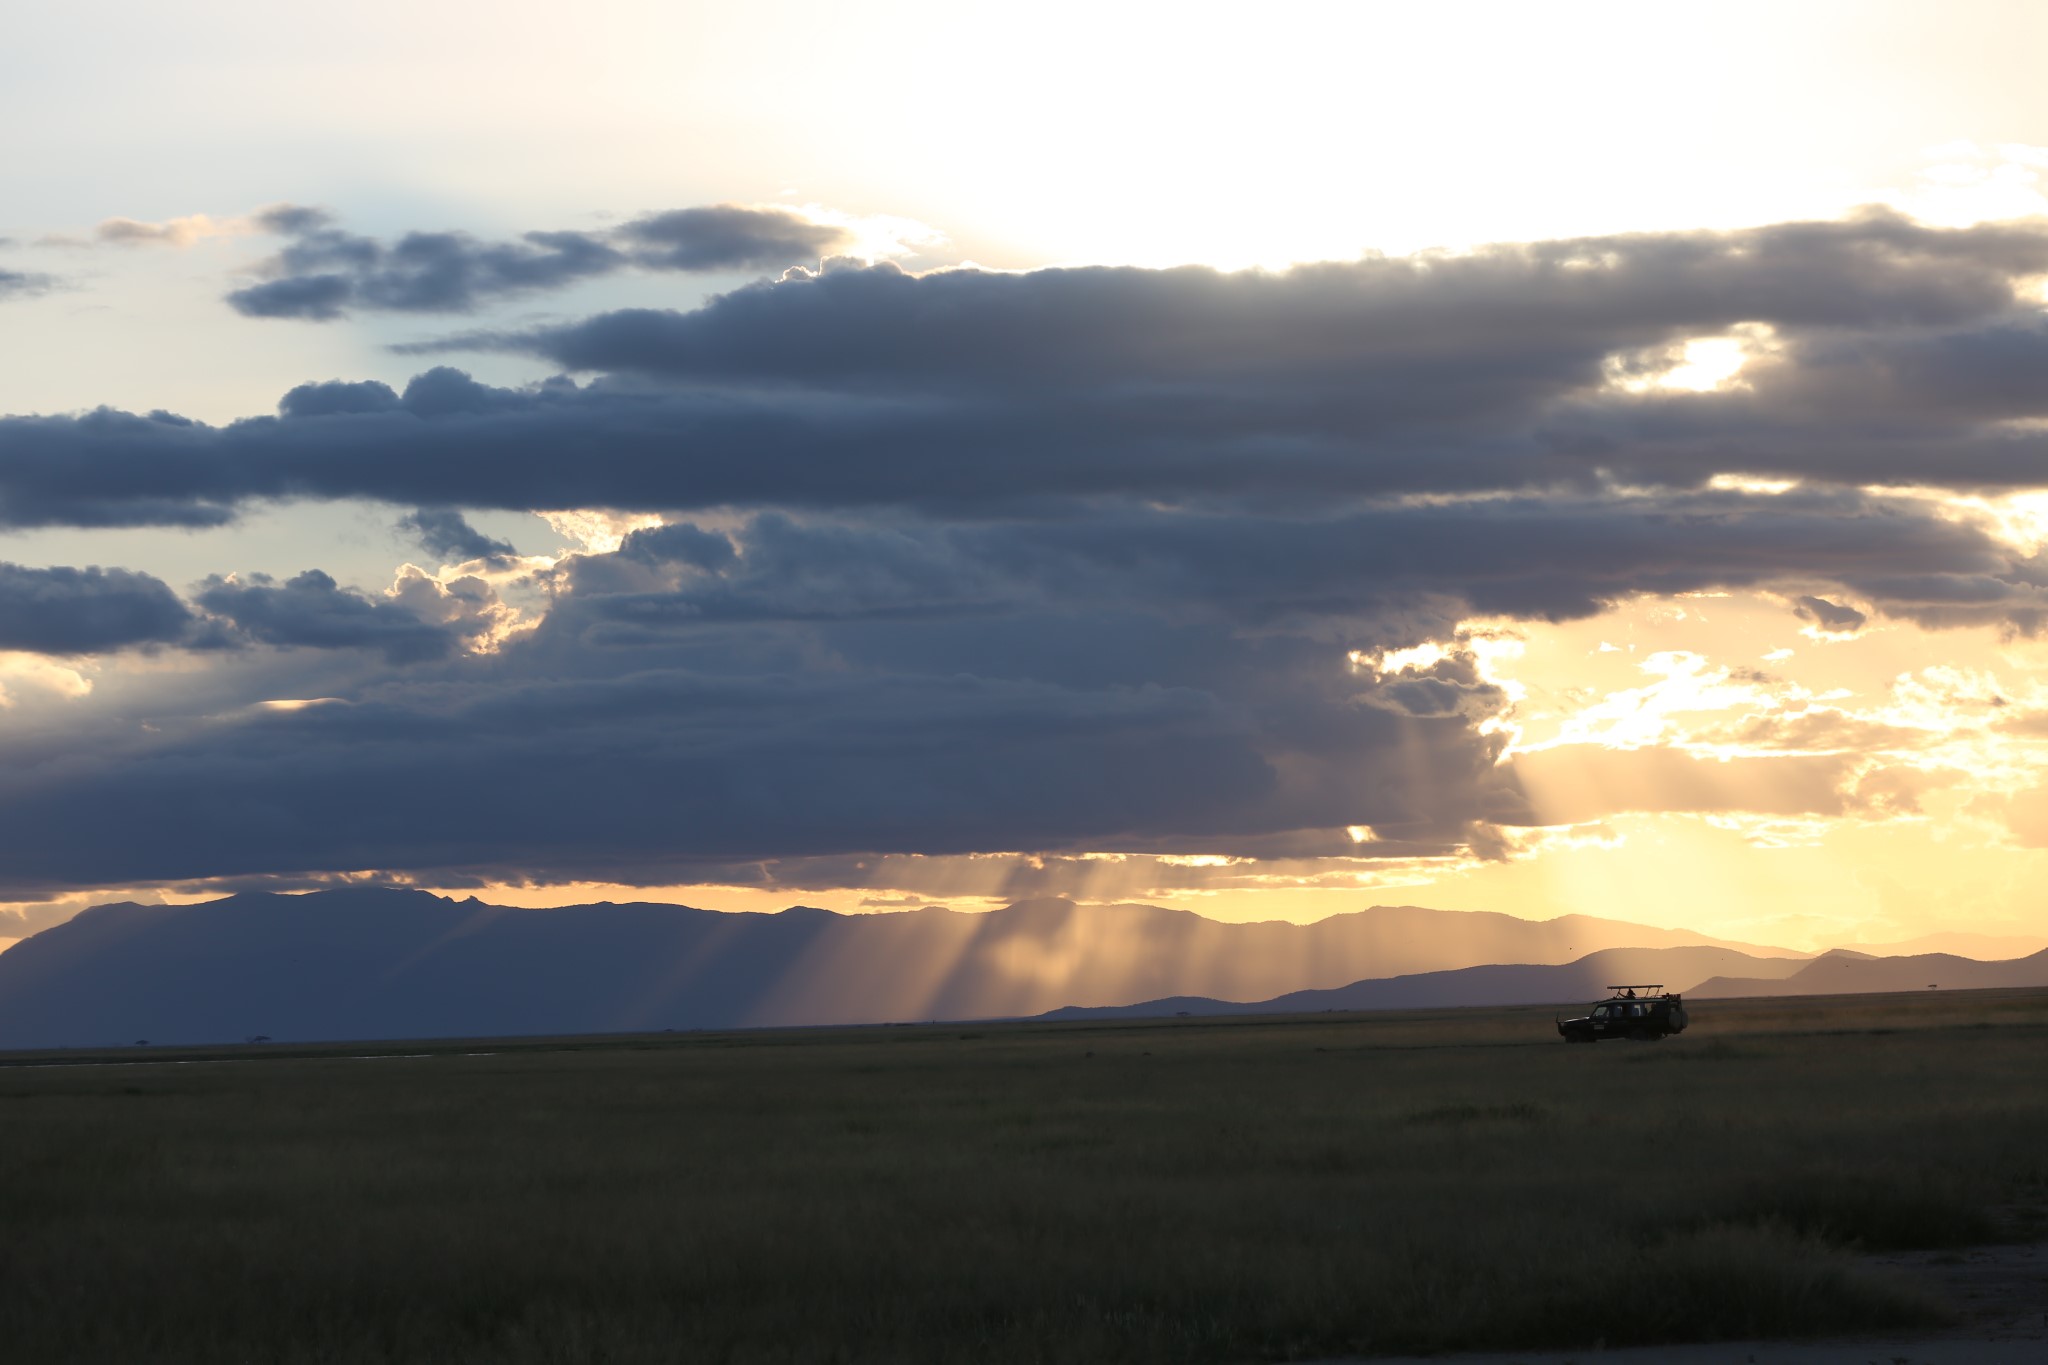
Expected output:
(1187, 1190)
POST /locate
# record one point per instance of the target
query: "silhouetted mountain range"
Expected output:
(1839, 972)
(373, 963)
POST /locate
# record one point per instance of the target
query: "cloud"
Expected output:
(1427, 377)
(86, 611)
(1553, 558)
(323, 272)
(1815, 729)
(1578, 783)
(1516, 315)
(312, 610)
(21, 284)
(174, 232)
(2025, 815)
(730, 237)
(326, 271)
(319, 297)
(1829, 616)
(442, 531)
(293, 220)
(701, 702)
(647, 774)
(715, 703)
(335, 397)
(677, 543)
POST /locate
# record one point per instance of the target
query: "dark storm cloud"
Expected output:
(1829, 615)
(443, 531)
(1064, 561)
(451, 440)
(648, 774)
(1506, 308)
(109, 468)
(324, 271)
(1551, 558)
(86, 611)
(1915, 376)
(728, 237)
(969, 392)
(312, 610)
(679, 543)
(814, 688)
(1554, 558)
(796, 571)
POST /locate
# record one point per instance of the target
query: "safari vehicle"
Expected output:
(1639, 1013)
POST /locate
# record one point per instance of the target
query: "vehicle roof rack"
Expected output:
(1638, 986)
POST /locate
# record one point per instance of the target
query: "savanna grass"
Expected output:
(1192, 1190)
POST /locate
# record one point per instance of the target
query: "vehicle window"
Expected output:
(1635, 1011)
(1599, 1011)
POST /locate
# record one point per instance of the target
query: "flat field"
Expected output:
(1187, 1190)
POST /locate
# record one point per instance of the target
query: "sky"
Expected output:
(1579, 458)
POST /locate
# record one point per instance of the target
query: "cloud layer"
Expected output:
(1056, 563)
(1880, 352)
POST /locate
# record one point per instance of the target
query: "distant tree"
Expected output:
(259, 1037)
(142, 1042)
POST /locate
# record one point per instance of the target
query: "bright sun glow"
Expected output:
(1697, 365)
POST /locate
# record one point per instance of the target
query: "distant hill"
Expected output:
(1700, 973)
(1849, 973)
(1587, 979)
(371, 963)
(1982, 947)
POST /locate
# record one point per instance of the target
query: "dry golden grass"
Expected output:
(1184, 1190)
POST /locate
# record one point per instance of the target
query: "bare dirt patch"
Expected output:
(1998, 1292)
